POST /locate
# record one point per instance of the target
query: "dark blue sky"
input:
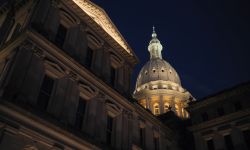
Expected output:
(207, 42)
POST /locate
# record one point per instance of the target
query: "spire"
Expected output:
(155, 46)
(154, 35)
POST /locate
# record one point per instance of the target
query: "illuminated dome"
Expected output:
(157, 69)
(158, 86)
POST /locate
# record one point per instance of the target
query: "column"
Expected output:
(219, 143)
(161, 107)
(91, 117)
(147, 103)
(199, 141)
(238, 139)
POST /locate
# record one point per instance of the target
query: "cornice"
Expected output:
(219, 97)
(97, 18)
(76, 68)
(41, 126)
(220, 120)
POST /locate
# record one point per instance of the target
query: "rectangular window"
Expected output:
(246, 135)
(109, 130)
(112, 75)
(60, 36)
(45, 92)
(237, 106)
(89, 57)
(156, 143)
(228, 142)
(80, 113)
(210, 144)
(142, 137)
(220, 111)
(204, 116)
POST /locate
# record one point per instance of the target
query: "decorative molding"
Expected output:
(112, 108)
(86, 90)
(72, 75)
(102, 19)
(54, 68)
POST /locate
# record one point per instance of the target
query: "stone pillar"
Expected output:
(148, 137)
(135, 129)
(161, 105)
(219, 143)
(125, 130)
(148, 103)
(100, 120)
(91, 116)
(172, 104)
(106, 68)
(238, 139)
(130, 130)
(199, 142)
(118, 131)
(98, 61)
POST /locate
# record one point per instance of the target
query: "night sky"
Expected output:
(207, 42)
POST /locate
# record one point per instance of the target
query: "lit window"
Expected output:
(155, 87)
(166, 107)
(164, 86)
(156, 109)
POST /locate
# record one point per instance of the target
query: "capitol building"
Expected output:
(65, 84)
(158, 86)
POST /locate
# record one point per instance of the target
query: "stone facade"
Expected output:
(65, 75)
(65, 81)
(222, 121)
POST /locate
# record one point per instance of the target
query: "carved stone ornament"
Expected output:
(102, 19)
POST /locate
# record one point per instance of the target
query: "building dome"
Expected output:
(155, 70)
(158, 86)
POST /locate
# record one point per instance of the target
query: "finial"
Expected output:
(154, 34)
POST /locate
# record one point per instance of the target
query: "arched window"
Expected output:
(156, 109)
(166, 107)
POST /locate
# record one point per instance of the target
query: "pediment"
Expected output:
(102, 19)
